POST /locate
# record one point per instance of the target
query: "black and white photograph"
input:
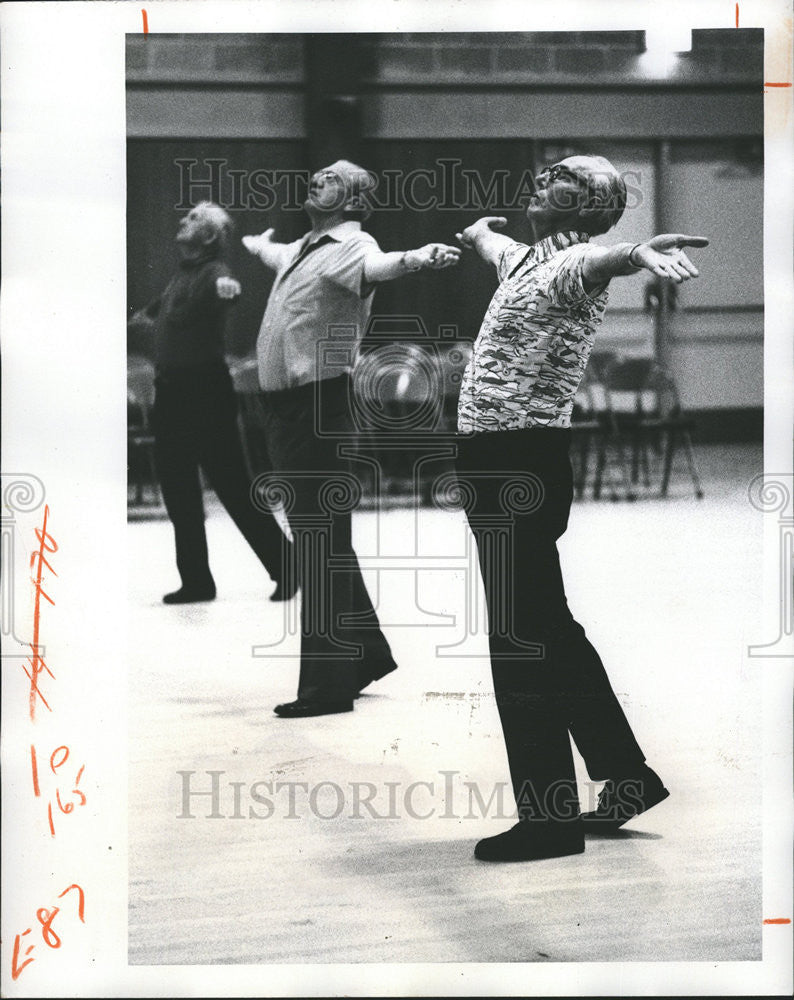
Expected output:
(422, 624)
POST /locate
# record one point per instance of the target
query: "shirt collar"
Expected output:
(191, 263)
(340, 232)
(550, 245)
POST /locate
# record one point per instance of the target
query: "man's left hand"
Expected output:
(435, 256)
(663, 255)
(228, 288)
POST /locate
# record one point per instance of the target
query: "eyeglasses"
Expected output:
(326, 175)
(559, 172)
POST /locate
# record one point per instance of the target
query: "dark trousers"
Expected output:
(308, 430)
(195, 425)
(548, 679)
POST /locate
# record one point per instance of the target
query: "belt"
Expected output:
(307, 391)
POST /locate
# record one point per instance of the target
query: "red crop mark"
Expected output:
(777, 84)
(17, 966)
(737, 15)
(37, 665)
(778, 920)
(145, 22)
(35, 769)
(45, 917)
(81, 900)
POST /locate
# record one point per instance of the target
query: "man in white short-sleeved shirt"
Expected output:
(316, 314)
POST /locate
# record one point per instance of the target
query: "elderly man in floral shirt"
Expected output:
(514, 414)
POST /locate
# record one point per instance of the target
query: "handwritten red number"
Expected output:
(81, 900)
(76, 790)
(16, 968)
(49, 935)
(35, 769)
(62, 758)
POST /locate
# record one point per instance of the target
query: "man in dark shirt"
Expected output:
(195, 411)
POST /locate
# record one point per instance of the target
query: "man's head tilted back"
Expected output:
(584, 193)
(205, 227)
(340, 189)
(608, 192)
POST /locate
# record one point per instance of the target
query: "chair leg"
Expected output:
(601, 454)
(576, 466)
(669, 450)
(627, 480)
(155, 479)
(139, 487)
(135, 468)
(690, 457)
(580, 479)
(646, 477)
(635, 456)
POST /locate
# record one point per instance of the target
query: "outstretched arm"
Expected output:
(148, 314)
(480, 237)
(141, 328)
(387, 266)
(663, 256)
(266, 249)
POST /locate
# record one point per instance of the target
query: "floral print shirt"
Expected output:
(535, 340)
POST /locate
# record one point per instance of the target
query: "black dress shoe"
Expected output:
(624, 798)
(521, 843)
(303, 708)
(285, 590)
(190, 595)
(367, 675)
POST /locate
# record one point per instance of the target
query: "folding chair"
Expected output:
(646, 414)
(592, 427)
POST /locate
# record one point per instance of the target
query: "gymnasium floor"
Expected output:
(669, 593)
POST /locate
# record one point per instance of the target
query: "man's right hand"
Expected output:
(253, 244)
(478, 229)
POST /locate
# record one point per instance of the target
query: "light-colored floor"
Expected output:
(668, 592)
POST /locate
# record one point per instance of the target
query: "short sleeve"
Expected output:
(566, 284)
(510, 257)
(346, 268)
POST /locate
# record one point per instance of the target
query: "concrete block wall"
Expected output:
(215, 58)
(556, 56)
(547, 57)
